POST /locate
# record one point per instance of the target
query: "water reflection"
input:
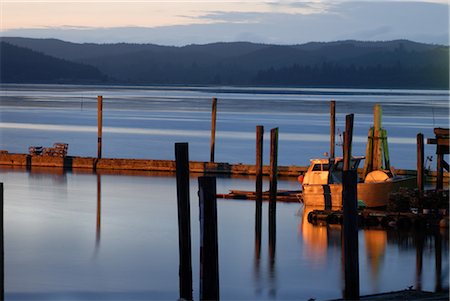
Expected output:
(375, 241)
(99, 213)
(321, 238)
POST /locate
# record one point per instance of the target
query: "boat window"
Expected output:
(317, 167)
(320, 167)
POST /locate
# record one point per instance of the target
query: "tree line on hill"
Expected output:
(389, 64)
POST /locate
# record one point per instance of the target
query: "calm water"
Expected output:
(144, 122)
(81, 236)
(59, 248)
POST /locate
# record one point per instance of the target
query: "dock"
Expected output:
(112, 165)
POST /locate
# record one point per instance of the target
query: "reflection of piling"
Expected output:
(273, 189)
(258, 189)
(184, 220)
(350, 222)
(438, 260)
(213, 128)
(100, 124)
(2, 248)
(99, 210)
(332, 127)
(419, 258)
(209, 253)
(420, 162)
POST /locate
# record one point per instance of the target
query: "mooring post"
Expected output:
(377, 138)
(184, 219)
(439, 169)
(213, 128)
(273, 189)
(2, 247)
(100, 124)
(259, 187)
(420, 162)
(209, 251)
(332, 128)
(350, 218)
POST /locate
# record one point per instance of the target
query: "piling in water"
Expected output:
(213, 129)
(273, 189)
(100, 125)
(258, 187)
(350, 218)
(209, 251)
(184, 220)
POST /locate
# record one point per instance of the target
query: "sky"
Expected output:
(198, 22)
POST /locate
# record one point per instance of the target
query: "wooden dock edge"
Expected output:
(125, 164)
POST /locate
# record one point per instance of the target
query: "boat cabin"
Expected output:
(328, 170)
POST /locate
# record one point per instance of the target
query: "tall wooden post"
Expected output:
(213, 128)
(273, 189)
(439, 169)
(332, 128)
(377, 138)
(259, 188)
(184, 220)
(100, 124)
(209, 251)
(420, 162)
(2, 247)
(350, 218)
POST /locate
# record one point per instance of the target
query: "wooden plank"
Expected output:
(442, 132)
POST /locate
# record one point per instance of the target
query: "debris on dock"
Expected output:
(58, 150)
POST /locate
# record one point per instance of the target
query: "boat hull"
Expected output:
(374, 194)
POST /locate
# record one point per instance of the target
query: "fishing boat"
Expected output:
(322, 183)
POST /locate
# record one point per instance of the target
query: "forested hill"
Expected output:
(22, 65)
(389, 64)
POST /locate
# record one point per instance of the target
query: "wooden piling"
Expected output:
(332, 128)
(273, 189)
(348, 139)
(439, 170)
(184, 220)
(350, 219)
(2, 247)
(377, 143)
(99, 126)
(213, 128)
(258, 188)
(209, 252)
(420, 162)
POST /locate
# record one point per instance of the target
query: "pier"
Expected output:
(68, 163)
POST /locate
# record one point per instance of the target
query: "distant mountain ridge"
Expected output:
(23, 65)
(399, 63)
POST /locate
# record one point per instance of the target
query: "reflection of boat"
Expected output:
(322, 184)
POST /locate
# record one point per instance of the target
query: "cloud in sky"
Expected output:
(183, 22)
